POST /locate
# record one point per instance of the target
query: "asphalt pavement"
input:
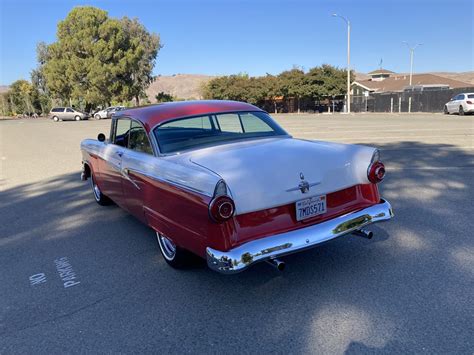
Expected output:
(78, 277)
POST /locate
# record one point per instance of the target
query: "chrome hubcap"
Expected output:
(167, 247)
(95, 189)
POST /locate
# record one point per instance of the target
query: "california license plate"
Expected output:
(310, 207)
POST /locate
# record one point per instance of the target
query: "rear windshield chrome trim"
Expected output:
(223, 143)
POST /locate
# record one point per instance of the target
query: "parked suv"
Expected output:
(67, 113)
(461, 104)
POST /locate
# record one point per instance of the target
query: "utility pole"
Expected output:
(348, 101)
(412, 53)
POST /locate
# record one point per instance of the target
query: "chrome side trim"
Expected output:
(241, 257)
(170, 182)
(128, 178)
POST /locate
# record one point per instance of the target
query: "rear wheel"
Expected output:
(55, 118)
(77, 118)
(175, 256)
(461, 111)
(99, 197)
(446, 112)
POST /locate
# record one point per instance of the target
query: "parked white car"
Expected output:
(460, 104)
(103, 113)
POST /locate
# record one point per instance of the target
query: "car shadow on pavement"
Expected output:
(407, 289)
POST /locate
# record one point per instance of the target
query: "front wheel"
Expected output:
(446, 112)
(175, 256)
(97, 116)
(461, 111)
(77, 118)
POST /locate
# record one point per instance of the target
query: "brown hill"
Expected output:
(183, 86)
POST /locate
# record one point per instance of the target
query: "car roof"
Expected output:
(152, 115)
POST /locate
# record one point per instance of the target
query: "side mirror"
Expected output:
(101, 137)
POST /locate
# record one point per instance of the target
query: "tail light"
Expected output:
(376, 170)
(222, 206)
(469, 102)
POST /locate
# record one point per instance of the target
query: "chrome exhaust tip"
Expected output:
(363, 233)
(278, 264)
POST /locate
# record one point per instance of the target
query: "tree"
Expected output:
(294, 84)
(97, 59)
(327, 81)
(21, 96)
(272, 88)
(140, 58)
(41, 98)
(163, 97)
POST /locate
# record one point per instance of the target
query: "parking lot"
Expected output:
(78, 277)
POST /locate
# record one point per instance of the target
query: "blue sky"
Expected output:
(218, 37)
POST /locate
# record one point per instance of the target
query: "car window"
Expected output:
(460, 97)
(196, 132)
(138, 139)
(470, 96)
(58, 109)
(251, 125)
(229, 122)
(202, 122)
(69, 110)
(122, 128)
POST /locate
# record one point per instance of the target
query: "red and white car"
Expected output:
(222, 180)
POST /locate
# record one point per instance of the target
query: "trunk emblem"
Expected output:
(303, 186)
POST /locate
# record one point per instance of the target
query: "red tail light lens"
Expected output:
(469, 102)
(221, 208)
(376, 172)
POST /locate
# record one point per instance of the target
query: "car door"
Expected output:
(135, 161)
(459, 102)
(68, 114)
(111, 170)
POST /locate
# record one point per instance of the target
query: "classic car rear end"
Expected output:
(223, 181)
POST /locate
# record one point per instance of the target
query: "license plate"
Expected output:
(310, 207)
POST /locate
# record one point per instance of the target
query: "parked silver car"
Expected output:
(460, 104)
(105, 112)
(67, 113)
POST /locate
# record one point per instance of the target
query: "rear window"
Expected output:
(207, 130)
(58, 109)
(471, 96)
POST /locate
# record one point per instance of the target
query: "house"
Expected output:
(383, 80)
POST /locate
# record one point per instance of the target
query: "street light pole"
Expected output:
(412, 53)
(348, 103)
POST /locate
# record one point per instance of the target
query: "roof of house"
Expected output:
(152, 115)
(381, 71)
(400, 82)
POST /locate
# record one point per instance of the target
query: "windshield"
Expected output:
(200, 131)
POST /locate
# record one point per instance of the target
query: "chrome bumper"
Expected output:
(241, 257)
